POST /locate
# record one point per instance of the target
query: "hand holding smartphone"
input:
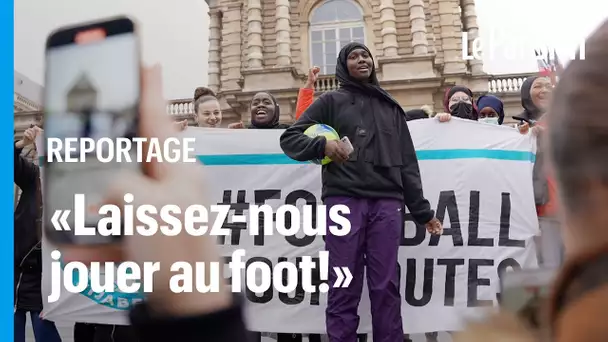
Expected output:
(345, 142)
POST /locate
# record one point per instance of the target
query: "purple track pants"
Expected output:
(373, 243)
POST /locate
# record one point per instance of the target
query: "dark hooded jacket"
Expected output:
(531, 114)
(27, 248)
(383, 163)
(274, 123)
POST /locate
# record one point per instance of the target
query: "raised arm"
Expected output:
(25, 172)
(305, 99)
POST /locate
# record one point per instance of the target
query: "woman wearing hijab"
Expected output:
(374, 182)
(458, 102)
(305, 99)
(265, 113)
(491, 110)
(535, 97)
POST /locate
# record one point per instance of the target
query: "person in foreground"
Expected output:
(374, 182)
(166, 316)
(577, 147)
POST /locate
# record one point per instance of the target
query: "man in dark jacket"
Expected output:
(27, 245)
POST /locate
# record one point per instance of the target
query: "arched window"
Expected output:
(332, 25)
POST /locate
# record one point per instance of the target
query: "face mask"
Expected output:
(462, 110)
(492, 121)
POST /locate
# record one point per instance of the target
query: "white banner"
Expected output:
(477, 176)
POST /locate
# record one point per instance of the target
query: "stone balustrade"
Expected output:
(498, 84)
(502, 85)
(180, 107)
(326, 83)
(508, 84)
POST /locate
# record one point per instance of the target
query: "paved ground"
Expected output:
(65, 330)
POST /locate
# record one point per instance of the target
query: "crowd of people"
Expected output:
(572, 122)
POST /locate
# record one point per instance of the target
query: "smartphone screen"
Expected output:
(92, 90)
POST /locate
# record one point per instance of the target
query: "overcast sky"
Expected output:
(175, 34)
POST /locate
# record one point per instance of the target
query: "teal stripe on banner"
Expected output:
(248, 159)
(476, 154)
(282, 159)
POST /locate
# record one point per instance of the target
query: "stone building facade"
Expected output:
(269, 45)
(27, 103)
(27, 106)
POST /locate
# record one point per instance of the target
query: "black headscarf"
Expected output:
(274, 122)
(380, 148)
(349, 82)
(531, 112)
(461, 110)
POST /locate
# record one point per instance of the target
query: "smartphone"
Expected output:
(346, 143)
(92, 90)
(524, 292)
(530, 122)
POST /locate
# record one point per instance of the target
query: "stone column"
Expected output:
(254, 34)
(215, 36)
(389, 28)
(231, 51)
(471, 27)
(451, 36)
(283, 32)
(420, 44)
